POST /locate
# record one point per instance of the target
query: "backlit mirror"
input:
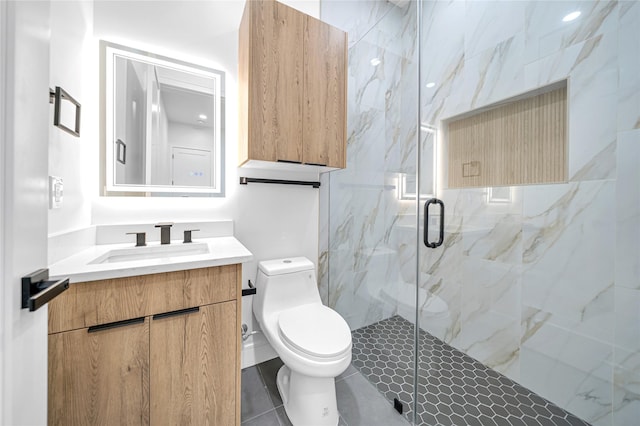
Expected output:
(164, 128)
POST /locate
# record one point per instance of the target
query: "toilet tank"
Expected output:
(283, 284)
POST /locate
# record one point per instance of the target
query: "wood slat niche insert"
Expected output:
(517, 142)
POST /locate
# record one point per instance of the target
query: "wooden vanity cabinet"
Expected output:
(292, 87)
(199, 389)
(100, 377)
(155, 349)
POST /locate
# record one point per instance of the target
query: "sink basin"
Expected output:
(131, 254)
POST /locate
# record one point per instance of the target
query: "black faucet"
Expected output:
(165, 232)
(140, 238)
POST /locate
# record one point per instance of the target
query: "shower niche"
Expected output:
(518, 141)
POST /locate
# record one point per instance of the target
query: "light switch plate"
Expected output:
(56, 190)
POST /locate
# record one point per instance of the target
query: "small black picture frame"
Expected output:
(56, 97)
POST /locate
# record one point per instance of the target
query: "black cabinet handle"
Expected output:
(174, 313)
(426, 223)
(116, 324)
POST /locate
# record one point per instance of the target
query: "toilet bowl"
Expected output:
(312, 340)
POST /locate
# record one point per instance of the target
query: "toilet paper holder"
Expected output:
(249, 291)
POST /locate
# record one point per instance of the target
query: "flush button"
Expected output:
(286, 261)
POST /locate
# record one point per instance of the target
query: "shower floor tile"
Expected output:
(453, 388)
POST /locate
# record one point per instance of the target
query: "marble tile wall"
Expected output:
(545, 286)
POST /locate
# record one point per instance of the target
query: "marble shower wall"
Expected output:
(367, 241)
(545, 287)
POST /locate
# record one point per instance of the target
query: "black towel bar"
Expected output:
(246, 180)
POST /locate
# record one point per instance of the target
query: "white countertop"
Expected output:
(222, 251)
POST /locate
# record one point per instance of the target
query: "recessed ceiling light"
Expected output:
(571, 16)
(375, 62)
(202, 117)
(430, 85)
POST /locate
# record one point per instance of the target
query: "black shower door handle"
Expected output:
(426, 223)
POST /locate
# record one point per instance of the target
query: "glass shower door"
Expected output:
(371, 254)
(532, 300)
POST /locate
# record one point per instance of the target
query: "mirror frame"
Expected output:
(110, 51)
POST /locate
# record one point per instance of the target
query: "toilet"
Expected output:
(312, 340)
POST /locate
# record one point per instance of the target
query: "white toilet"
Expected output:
(312, 340)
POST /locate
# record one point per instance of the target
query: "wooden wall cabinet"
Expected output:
(292, 87)
(155, 349)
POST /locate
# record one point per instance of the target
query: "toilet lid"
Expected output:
(315, 329)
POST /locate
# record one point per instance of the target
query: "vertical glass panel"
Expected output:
(371, 251)
(535, 284)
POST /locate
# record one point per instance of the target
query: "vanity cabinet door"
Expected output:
(194, 365)
(100, 375)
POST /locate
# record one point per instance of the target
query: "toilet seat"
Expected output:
(314, 330)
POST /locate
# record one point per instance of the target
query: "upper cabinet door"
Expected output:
(275, 79)
(325, 94)
(292, 73)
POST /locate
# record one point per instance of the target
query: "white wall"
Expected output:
(73, 67)
(23, 344)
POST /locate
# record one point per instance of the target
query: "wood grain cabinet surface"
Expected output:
(160, 349)
(292, 87)
(101, 377)
(199, 389)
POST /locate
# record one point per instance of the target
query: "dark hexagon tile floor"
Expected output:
(453, 388)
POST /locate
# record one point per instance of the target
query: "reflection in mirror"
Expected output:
(164, 124)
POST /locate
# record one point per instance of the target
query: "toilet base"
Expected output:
(308, 401)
